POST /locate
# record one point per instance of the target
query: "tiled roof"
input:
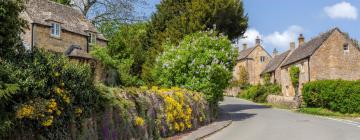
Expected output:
(308, 48)
(44, 11)
(244, 53)
(275, 62)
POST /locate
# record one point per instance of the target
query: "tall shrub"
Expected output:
(336, 95)
(201, 62)
(294, 76)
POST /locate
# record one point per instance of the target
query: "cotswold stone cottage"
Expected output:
(331, 55)
(254, 60)
(59, 29)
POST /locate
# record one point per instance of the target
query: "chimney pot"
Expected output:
(292, 46)
(244, 46)
(275, 52)
(257, 41)
(301, 39)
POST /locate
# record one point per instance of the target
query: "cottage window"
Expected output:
(92, 38)
(262, 59)
(346, 48)
(55, 29)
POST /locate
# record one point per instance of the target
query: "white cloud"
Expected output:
(249, 37)
(342, 10)
(281, 40)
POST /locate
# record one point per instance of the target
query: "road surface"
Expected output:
(257, 122)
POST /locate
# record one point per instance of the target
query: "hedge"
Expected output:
(259, 93)
(336, 95)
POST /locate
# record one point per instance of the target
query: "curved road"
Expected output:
(256, 122)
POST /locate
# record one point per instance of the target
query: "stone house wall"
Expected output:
(286, 85)
(330, 61)
(255, 66)
(43, 39)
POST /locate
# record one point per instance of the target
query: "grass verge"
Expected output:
(327, 112)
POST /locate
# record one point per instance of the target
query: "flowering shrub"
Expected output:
(201, 62)
(143, 113)
(52, 93)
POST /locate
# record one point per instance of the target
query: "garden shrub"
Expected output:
(51, 94)
(150, 113)
(259, 93)
(336, 95)
(201, 62)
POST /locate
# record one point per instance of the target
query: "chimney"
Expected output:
(292, 46)
(301, 39)
(257, 40)
(275, 53)
(244, 46)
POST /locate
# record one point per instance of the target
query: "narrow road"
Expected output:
(257, 122)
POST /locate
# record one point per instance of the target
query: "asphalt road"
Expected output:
(256, 122)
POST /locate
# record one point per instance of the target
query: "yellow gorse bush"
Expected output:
(26, 111)
(139, 121)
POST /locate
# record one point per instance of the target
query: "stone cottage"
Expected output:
(273, 68)
(59, 29)
(254, 60)
(331, 55)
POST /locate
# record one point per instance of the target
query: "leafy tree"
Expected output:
(11, 26)
(175, 19)
(243, 76)
(201, 62)
(124, 52)
(64, 2)
(99, 11)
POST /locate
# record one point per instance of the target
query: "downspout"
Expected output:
(87, 44)
(309, 69)
(32, 36)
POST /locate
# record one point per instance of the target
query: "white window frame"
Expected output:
(262, 59)
(93, 38)
(348, 48)
(55, 30)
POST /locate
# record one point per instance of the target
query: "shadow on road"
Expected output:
(238, 107)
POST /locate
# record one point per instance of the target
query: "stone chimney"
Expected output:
(257, 40)
(301, 39)
(275, 53)
(244, 46)
(292, 46)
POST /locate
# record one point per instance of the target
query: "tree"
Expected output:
(11, 26)
(64, 2)
(107, 10)
(175, 19)
(201, 62)
(124, 52)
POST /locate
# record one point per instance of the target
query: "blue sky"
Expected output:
(278, 22)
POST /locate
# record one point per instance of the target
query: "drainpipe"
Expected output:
(32, 36)
(309, 68)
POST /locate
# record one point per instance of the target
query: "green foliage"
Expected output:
(243, 79)
(336, 95)
(294, 75)
(326, 112)
(124, 53)
(64, 2)
(11, 26)
(52, 93)
(267, 78)
(175, 19)
(259, 93)
(201, 62)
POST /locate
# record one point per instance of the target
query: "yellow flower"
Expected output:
(78, 111)
(139, 121)
(48, 122)
(52, 104)
(176, 126)
(66, 99)
(25, 111)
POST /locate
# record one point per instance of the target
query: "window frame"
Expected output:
(347, 50)
(55, 29)
(93, 38)
(262, 59)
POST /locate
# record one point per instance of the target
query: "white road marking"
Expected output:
(357, 124)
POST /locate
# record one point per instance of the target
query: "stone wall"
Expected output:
(282, 101)
(331, 62)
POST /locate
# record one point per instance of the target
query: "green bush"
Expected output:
(202, 62)
(259, 93)
(336, 95)
(51, 94)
